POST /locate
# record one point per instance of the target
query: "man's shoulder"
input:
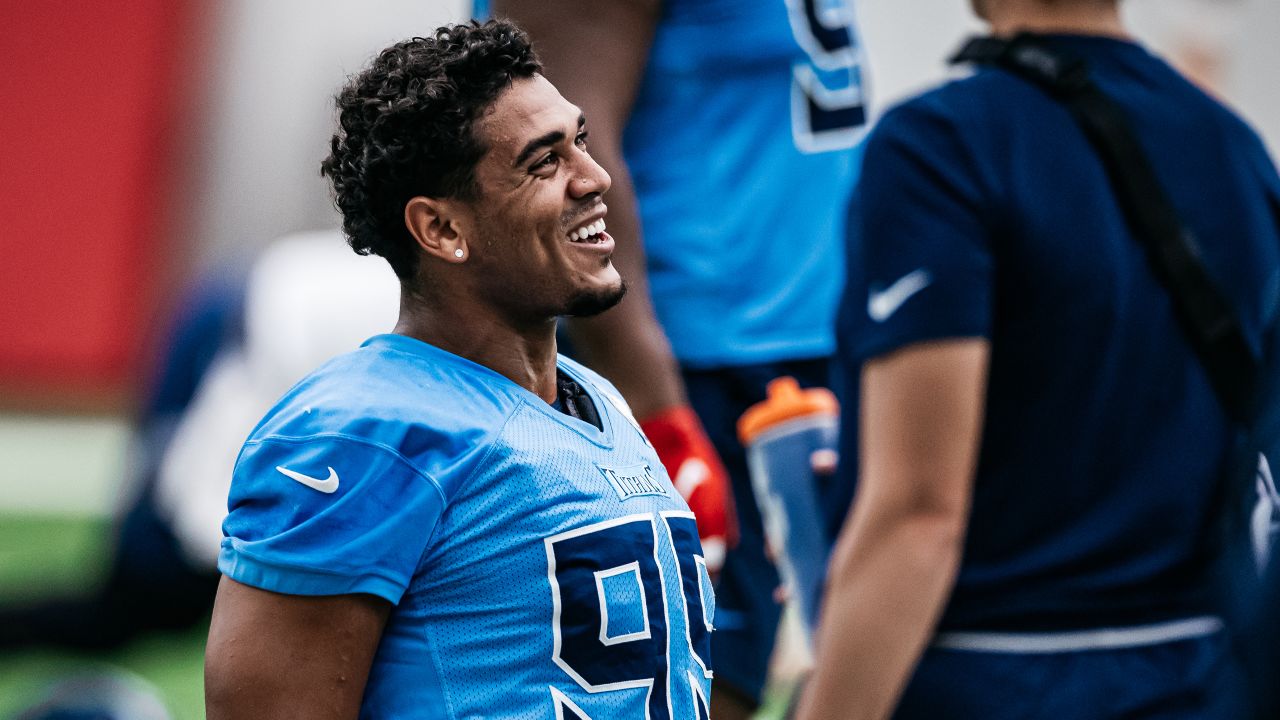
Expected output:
(984, 94)
(381, 396)
(961, 129)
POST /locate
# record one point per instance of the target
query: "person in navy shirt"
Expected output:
(1039, 446)
(453, 521)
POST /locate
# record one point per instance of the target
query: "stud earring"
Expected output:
(458, 253)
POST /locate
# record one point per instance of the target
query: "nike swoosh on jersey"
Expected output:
(883, 304)
(328, 485)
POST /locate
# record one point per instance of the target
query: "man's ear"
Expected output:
(437, 224)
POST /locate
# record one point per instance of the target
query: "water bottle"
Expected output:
(781, 435)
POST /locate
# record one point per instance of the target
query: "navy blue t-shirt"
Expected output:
(986, 213)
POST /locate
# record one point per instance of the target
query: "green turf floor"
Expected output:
(45, 556)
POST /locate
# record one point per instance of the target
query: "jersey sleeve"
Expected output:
(327, 515)
(920, 265)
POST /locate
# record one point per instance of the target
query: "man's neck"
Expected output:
(1068, 17)
(524, 355)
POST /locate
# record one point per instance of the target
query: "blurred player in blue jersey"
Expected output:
(452, 521)
(1040, 445)
(730, 129)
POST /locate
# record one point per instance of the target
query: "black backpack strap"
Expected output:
(1207, 318)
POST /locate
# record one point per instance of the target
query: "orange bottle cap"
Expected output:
(785, 401)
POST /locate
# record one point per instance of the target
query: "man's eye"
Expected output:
(545, 161)
(581, 140)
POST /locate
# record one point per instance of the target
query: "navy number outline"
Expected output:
(826, 118)
(629, 544)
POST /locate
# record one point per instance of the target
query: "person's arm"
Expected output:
(896, 560)
(274, 656)
(595, 53)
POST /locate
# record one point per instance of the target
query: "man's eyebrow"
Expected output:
(544, 140)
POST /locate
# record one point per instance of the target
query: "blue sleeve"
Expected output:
(920, 265)
(327, 515)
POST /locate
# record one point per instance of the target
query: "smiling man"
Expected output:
(453, 521)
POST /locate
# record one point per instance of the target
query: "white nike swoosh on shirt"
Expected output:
(882, 305)
(328, 485)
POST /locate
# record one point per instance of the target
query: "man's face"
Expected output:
(538, 237)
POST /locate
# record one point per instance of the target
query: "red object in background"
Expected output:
(90, 96)
(699, 476)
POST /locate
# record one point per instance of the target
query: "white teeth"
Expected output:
(586, 231)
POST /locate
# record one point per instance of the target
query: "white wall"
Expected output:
(277, 65)
(908, 42)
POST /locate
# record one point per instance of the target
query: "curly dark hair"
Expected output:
(406, 129)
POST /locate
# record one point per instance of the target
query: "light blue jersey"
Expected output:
(539, 567)
(742, 147)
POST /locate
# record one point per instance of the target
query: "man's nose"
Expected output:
(592, 178)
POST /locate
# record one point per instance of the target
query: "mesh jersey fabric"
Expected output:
(539, 567)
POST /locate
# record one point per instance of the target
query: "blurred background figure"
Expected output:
(156, 149)
(233, 352)
(1046, 459)
(730, 131)
(102, 695)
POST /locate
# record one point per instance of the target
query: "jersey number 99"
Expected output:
(624, 620)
